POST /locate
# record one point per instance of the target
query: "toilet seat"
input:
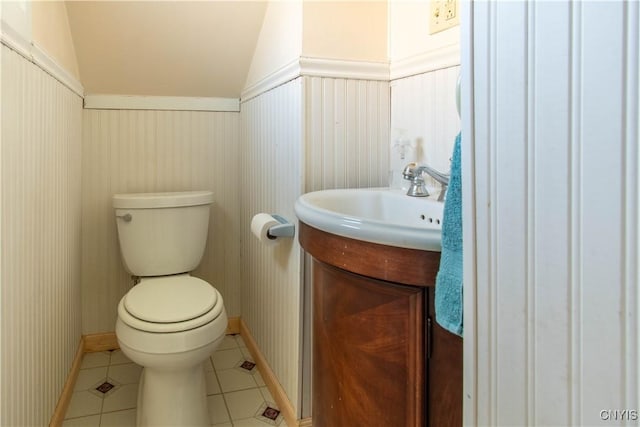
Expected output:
(170, 304)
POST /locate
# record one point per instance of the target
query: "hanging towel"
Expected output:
(448, 302)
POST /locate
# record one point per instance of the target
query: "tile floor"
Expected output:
(106, 390)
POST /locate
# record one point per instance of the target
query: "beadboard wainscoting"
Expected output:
(424, 106)
(271, 175)
(346, 133)
(311, 133)
(39, 239)
(130, 151)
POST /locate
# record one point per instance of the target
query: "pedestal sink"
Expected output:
(379, 215)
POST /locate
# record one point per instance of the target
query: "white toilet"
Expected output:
(170, 322)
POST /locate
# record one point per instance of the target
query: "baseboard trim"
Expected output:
(305, 422)
(100, 342)
(106, 341)
(233, 327)
(269, 377)
(67, 391)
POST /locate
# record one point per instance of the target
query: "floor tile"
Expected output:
(118, 358)
(269, 414)
(83, 403)
(243, 404)
(246, 353)
(232, 380)
(226, 359)
(250, 422)
(105, 387)
(212, 383)
(119, 419)
(87, 378)
(228, 343)
(90, 421)
(126, 397)
(128, 373)
(259, 380)
(240, 341)
(94, 360)
(237, 395)
(217, 410)
(266, 394)
(246, 366)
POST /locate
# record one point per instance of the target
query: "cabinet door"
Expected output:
(368, 351)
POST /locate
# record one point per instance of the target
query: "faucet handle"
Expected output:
(413, 173)
(409, 171)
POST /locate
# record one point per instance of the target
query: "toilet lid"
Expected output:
(150, 294)
(170, 299)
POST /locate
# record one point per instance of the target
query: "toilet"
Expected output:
(169, 322)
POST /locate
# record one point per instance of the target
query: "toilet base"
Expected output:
(172, 390)
(173, 398)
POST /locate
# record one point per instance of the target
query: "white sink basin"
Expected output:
(377, 215)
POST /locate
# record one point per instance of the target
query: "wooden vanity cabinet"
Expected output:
(368, 357)
(378, 355)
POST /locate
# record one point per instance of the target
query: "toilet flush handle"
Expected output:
(126, 217)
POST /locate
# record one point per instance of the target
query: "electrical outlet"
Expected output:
(444, 15)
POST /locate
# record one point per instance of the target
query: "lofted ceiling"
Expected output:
(165, 48)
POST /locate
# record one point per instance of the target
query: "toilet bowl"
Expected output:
(170, 322)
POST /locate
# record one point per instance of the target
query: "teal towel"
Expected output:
(448, 303)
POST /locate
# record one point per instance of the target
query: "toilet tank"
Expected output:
(162, 233)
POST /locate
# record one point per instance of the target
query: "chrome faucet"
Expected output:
(413, 173)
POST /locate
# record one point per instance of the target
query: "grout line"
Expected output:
(224, 399)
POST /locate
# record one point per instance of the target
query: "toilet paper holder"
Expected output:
(285, 229)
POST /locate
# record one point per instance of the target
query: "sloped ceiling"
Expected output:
(165, 48)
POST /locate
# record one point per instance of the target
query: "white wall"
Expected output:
(308, 38)
(51, 32)
(279, 42)
(551, 213)
(348, 30)
(39, 239)
(412, 50)
(409, 29)
(128, 151)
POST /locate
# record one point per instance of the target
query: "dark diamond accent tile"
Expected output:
(268, 414)
(105, 387)
(271, 413)
(247, 365)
